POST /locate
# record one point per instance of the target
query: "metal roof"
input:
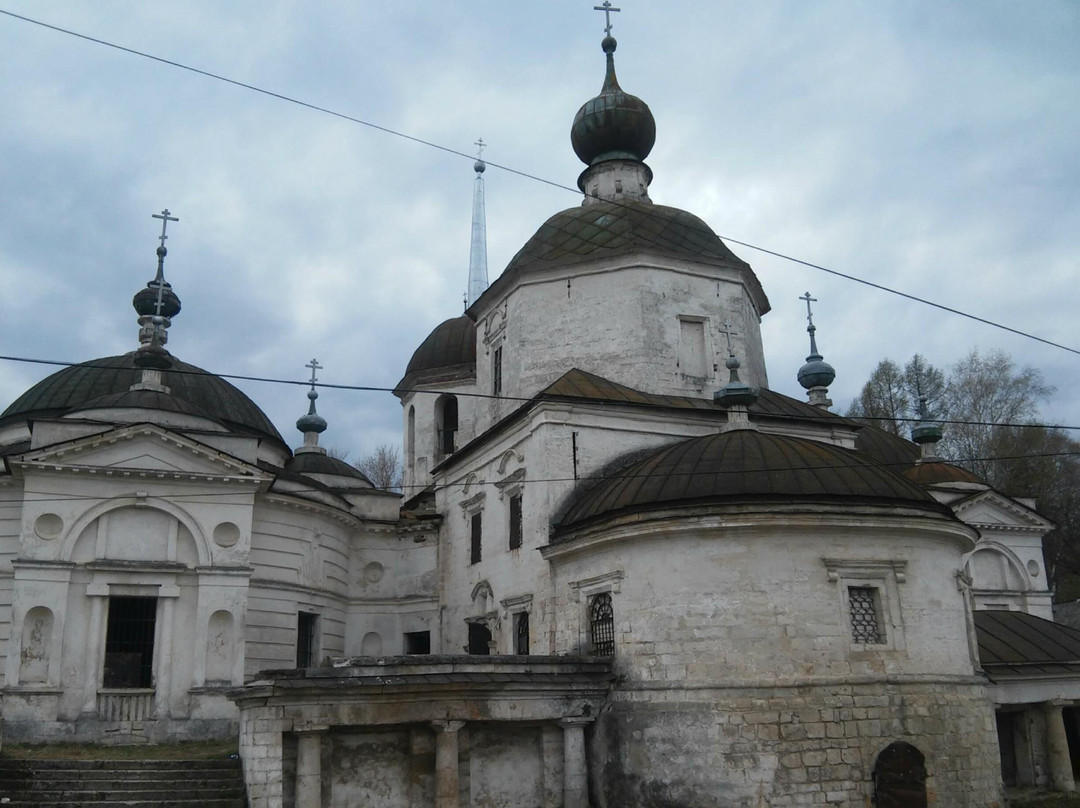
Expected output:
(452, 344)
(939, 472)
(745, 465)
(90, 382)
(1017, 645)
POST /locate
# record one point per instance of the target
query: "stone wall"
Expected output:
(745, 748)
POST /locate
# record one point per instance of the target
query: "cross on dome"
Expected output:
(607, 8)
(809, 300)
(314, 365)
(165, 219)
(480, 144)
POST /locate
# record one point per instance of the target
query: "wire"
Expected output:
(526, 175)
(868, 463)
(829, 418)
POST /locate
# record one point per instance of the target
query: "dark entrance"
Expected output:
(129, 642)
(900, 777)
(479, 639)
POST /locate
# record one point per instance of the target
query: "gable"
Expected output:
(141, 449)
(991, 509)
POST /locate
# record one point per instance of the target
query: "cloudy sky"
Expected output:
(930, 147)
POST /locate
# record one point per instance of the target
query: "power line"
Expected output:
(509, 169)
(829, 418)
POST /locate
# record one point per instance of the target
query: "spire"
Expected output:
(736, 395)
(312, 424)
(478, 277)
(926, 433)
(156, 305)
(612, 134)
(817, 374)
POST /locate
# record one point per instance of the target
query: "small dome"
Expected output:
(816, 373)
(741, 466)
(73, 387)
(614, 125)
(145, 301)
(451, 346)
(317, 463)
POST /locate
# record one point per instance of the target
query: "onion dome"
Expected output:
(145, 300)
(817, 374)
(447, 353)
(312, 421)
(743, 467)
(614, 125)
(71, 388)
(926, 433)
(736, 391)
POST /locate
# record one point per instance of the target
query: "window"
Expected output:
(446, 425)
(306, 639)
(867, 627)
(417, 642)
(521, 633)
(496, 371)
(602, 625)
(692, 360)
(129, 642)
(479, 639)
(515, 521)
(410, 443)
(476, 528)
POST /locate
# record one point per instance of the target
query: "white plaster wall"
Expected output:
(620, 321)
(728, 601)
(417, 473)
(10, 529)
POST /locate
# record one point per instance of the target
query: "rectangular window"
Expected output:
(129, 642)
(515, 521)
(866, 623)
(417, 642)
(602, 625)
(496, 372)
(476, 530)
(692, 359)
(306, 639)
(479, 639)
(521, 633)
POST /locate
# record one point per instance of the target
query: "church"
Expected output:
(625, 572)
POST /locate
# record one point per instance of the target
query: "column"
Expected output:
(167, 596)
(1057, 748)
(309, 767)
(446, 763)
(98, 595)
(575, 766)
(551, 744)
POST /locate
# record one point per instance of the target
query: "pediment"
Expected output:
(139, 449)
(992, 509)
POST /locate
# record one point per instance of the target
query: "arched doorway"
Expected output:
(900, 777)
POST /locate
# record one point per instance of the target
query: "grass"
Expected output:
(192, 750)
(1044, 800)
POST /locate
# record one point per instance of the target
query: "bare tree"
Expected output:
(383, 467)
(890, 398)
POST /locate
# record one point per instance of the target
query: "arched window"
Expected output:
(602, 625)
(446, 425)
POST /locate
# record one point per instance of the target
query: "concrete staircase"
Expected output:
(136, 783)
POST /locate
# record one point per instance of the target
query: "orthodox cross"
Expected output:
(480, 144)
(809, 300)
(165, 219)
(314, 365)
(607, 8)
(728, 333)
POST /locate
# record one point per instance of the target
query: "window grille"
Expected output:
(306, 623)
(521, 633)
(865, 609)
(496, 372)
(515, 521)
(129, 642)
(476, 532)
(602, 625)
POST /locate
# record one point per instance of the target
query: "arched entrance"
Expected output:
(900, 777)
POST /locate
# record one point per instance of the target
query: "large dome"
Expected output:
(450, 348)
(91, 382)
(745, 466)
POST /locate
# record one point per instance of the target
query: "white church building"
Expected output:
(625, 573)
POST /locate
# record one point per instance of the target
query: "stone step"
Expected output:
(238, 802)
(12, 764)
(112, 783)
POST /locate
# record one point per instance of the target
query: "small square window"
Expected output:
(417, 642)
(866, 621)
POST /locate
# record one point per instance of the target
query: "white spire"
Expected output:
(478, 278)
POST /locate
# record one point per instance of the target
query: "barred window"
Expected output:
(866, 624)
(602, 625)
(521, 633)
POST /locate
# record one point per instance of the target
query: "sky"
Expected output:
(928, 147)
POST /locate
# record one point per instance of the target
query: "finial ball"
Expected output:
(479, 166)
(609, 44)
(312, 394)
